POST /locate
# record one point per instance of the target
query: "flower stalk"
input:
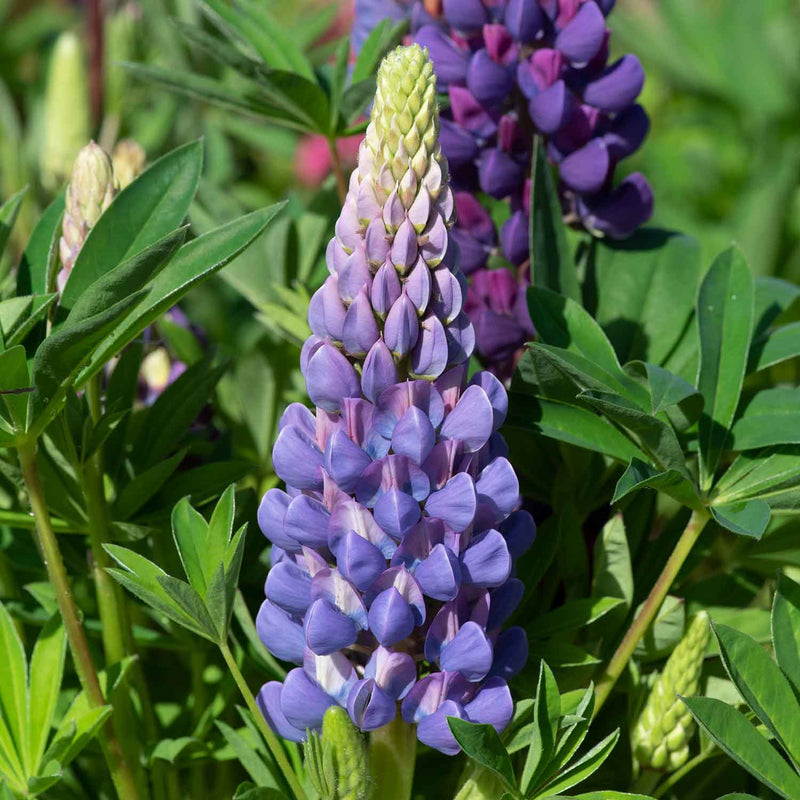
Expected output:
(392, 753)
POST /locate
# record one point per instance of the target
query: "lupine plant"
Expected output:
(456, 482)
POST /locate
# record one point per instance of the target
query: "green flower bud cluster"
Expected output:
(337, 762)
(665, 727)
(128, 160)
(404, 125)
(67, 114)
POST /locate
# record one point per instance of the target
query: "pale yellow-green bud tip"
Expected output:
(664, 729)
(91, 189)
(67, 113)
(128, 159)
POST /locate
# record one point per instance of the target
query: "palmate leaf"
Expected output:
(745, 517)
(482, 744)
(546, 715)
(771, 417)
(767, 474)
(780, 345)
(786, 629)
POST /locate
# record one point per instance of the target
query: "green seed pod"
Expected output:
(664, 729)
(91, 189)
(337, 764)
(128, 159)
(67, 113)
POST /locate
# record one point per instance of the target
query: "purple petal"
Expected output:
(502, 602)
(586, 169)
(455, 503)
(490, 83)
(297, 460)
(429, 693)
(434, 241)
(329, 378)
(627, 132)
(418, 286)
(551, 109)
(469, 114)
(514, 238)
(449, 61)
(498, 492)
(402, 327)
(310, 346)
(617, 87)
(458, 145)
(400, 579)
(492, 705)
(281, 634)
(394, 672)
(580, 40)
(468, 652)
(520, 531)
(448, 294)
(271, 515)
(330, 585)
(486, 562)
(404, 247)
(460, 339)
(360, 331)
(369, 706)
(303, 703)
(439, 575)
(434, 731)
(360, 561)
(345, 461)
(289, 587)
(429, 356)
(414, 436)
(523, 19)
(471, 421)
(620, 213)
(397, 513)
(269, 703)
(326, 310)
(510, 653)
(390, 617)
(327, 629)
(307, 521)
(376, 243)
(496, 393)
(379, 371)
(354, 275)
(392, 472)
(351, 516)
(499, 174)
(465, 15)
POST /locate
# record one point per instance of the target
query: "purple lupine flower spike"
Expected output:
(397, 529)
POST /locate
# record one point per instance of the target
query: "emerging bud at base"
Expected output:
(664, 729)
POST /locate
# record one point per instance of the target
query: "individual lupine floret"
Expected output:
(664, 728)
(395, 281)
(91, 189)
(128, 160)
(393, 546)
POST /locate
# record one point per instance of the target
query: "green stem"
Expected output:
(392, 753)
(18, 519)
(271, 739)
(679, 774)
(199, 700)
(79, 647)
(650, 607)
(646, 782)
(480, 784)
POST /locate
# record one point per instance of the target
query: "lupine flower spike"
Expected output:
(664, 729)
(394, 543)
(91, 189)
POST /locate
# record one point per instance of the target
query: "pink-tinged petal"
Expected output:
(449, 60)
(439, 465)
(397, 399)
(400, 578)
(289, 587)
(435, 732)
(394, 672)
(520, 531)
(310, 346)
(439, 575)
(471, 421)
(334, 674)
(379, 371)
(429, 356)
(307, 521)
(502, 602)
(429, 693)
(468, 652)
(369, 706)
(329, 378)
(281, 633)
(297, 460)
(345, 461)
(391, 472)
(451, 385)
(271, 516)
(455, 503)
(396, 512)
(510, 653)
(486, 562)
(385, 290)
(327, 629)
(391, 618)
(351, 516)
(360, 561)
(498, 493)
(330, 585)
(414, 436)
(269, 703)
(492, 705)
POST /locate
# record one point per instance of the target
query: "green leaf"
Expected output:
(763, 686)
(15, 386)
(780, 345)
(13, 694)
(190, 532)
(138, 491)
(572, 616)
(571, 424)
(172, 750)
(143, 213)
(745, 517)
(546, 716)
(482, 744)
(381, 38)
(613, 573)
(736, 737)
(725, 318)
(40, 305)
(771, 417)
(773, 296)
(74, 733)
(41, 253)
(764, 474)
(639, 475)
(786, 629)
(192, 264)
(254, 766)
(249, 791)
(669, 393)
(8, 215)
(552, 266)
(188, 599)
(585, 766)
(46, 672)
(646, 288)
